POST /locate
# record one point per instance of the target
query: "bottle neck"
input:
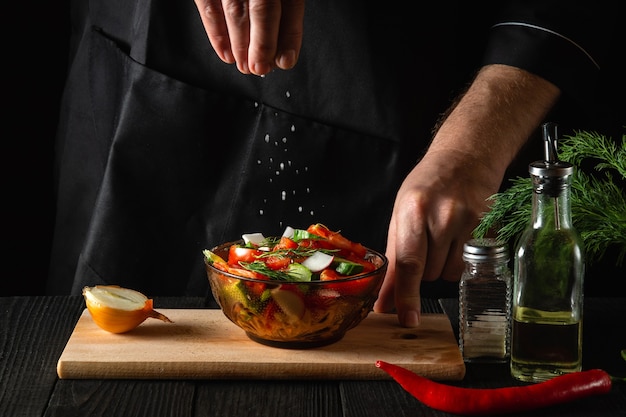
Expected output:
(551, 203)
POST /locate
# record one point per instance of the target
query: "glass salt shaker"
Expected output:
(485, 302)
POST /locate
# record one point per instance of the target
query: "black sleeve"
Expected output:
(569, 43)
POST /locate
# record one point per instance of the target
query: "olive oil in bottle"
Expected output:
(546, 338)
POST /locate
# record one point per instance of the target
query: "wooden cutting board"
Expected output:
(204, 344)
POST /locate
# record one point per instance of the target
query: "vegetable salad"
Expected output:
(316, 253)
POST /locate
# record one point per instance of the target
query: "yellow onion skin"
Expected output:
(120, 320)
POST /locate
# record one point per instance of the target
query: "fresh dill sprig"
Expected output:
(299, 252)
(598, 203)
(261, 268)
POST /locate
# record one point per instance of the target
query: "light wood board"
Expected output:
(204, 344)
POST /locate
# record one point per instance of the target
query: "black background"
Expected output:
(35, 62)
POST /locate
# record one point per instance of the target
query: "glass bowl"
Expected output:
(296, 314)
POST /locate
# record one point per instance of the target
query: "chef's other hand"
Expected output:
(437, 207)
(443, 198)
(256, 35)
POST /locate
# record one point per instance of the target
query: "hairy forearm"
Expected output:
(496, 116)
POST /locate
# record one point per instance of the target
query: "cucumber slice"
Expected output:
(299, 234)
(299, 272)
(345, 267)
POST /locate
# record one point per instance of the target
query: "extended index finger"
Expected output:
(411, 250)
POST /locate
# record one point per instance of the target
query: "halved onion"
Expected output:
(118, 310)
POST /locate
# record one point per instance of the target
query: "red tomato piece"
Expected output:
(268, 313)
(285, 243)
(276, 262)
(238, 254)
(337, 239)
(246, 273)
(354, 287)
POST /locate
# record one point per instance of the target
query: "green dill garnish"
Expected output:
(269, 242)
(299, 252)
(598, 203)
(261, 268)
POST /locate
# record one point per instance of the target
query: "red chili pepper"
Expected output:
(476, 401)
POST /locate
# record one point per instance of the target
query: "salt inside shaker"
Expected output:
(485, 302)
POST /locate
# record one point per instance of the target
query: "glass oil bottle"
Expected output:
(485, 302)
(546, 338)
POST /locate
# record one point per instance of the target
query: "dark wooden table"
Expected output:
(34, 331)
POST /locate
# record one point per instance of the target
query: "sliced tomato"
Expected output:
(238, 254)
(330, 275)
(268, 313)
(242, 272)
(316, 244)
(277, 262)
(337, 239)
(285, 243)
(354, 287)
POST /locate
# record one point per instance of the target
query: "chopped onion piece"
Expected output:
(288, 232)
(318, 261)
(254, 238)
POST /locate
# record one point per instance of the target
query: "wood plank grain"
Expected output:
(32, 336)
(238, 398)
(204, 344)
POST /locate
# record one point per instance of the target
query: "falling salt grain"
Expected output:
(261, 212)
(284, 140)
(283, 195)
(293, 128)
(288, 94)
(267, 138)
(300, 209)
(282, 166)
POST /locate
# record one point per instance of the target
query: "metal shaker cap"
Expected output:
(486, 249)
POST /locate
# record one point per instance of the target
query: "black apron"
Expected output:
(163, 150)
